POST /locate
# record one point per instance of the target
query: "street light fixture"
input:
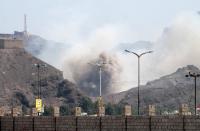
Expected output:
(194, 75)
(138, 55)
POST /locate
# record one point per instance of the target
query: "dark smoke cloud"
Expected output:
(86, 76)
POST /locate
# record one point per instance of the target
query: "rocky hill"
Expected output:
(19, 81)
(167, 93)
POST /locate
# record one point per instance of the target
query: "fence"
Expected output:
(106, 123)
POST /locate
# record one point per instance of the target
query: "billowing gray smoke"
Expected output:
(177, 46)
(46, 50)
(86, 75)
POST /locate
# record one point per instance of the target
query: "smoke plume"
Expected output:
(86, 74)
(177, 46)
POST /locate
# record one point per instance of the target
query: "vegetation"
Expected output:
(87, 106)
(48, 111)
(65, 110)
(22, 99)
(113, 109)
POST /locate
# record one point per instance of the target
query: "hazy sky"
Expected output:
(75, 19)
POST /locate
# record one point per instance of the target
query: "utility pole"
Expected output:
(195, 76)
(138, 56)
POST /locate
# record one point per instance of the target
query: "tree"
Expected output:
(109, 109)
(65, 110)
(113, 109)
(87, 105)
(48, 111)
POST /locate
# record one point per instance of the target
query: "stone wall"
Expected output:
(88, 123)
(66, 123)
(138, 123)
(106, 123)
(160, 123)
(11, 44)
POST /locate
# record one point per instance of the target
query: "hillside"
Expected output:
(19, 84)
(167, 93)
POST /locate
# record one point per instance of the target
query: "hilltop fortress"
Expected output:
(13, 41)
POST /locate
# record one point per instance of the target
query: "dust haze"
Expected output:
(177, 46)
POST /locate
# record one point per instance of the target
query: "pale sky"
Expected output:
(78, 18)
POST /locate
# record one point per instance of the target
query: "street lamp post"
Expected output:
(101, 108)
(100, 66)
(39, 100)
(194, 75)
(100, 80)
(39, 66)
(138, 55)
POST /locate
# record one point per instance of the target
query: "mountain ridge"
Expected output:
(167, 92)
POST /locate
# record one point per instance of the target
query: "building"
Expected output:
(16, 35)
(12, 41)
(11, 44)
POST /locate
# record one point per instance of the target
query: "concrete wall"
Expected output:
(107, 123)
(11, 44)
(6, 36)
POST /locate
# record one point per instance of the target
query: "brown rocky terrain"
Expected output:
(167, 92)
(19, 81)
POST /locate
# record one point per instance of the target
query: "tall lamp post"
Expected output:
(100, 65)
(39, 100)
(39, 67)
(194, 75)
(139, 56)
(101, 108)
